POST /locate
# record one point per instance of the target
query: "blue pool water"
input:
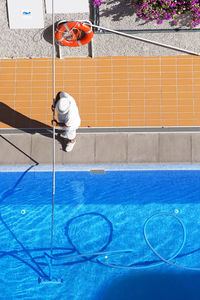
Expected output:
(104, 214)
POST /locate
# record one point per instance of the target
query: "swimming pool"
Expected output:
(100, 225)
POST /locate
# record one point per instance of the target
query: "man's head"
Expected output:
(63, 105)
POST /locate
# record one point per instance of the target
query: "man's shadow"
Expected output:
(17, 120)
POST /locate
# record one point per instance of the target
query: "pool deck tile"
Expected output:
(111, 148)
(175, 147)
(143, 147)
(102, 148)
(16, 149)
(110, 91)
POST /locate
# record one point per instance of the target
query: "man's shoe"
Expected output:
(70, 146)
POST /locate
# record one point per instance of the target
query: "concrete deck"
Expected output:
(25, 43)
(102, 148)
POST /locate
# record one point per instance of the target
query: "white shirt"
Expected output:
(71, 118)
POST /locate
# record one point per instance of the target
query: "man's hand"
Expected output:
(52, 122)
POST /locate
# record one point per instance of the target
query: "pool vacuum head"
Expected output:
(42, 280)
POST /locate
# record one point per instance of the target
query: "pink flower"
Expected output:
(160, 10)
(97, 2)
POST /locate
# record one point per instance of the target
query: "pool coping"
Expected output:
(100, 167)
(102, 130)
(103, 148)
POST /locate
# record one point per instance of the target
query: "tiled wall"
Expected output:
(110, 91)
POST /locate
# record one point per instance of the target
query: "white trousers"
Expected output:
(70, 133)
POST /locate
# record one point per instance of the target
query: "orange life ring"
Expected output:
(76, 29)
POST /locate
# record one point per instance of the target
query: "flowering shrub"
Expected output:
(160, 10)
(97, 2)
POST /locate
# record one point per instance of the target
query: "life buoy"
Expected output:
(76, 30)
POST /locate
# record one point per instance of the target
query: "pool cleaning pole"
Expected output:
(53, 83)
(145, 40)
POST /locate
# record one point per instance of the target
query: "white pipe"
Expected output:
(145, 40)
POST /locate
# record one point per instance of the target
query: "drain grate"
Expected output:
(97, 171)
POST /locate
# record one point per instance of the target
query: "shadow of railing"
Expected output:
(20, 150)
(33, 265)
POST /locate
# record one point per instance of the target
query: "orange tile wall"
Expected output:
(109, 91)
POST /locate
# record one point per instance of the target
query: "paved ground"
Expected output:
(102, 148)
(113, 14)
(110, 91)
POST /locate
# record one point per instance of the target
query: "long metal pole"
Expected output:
(136, 31)
(53, 84)
(146, 40)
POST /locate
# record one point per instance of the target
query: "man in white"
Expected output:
(68, 117)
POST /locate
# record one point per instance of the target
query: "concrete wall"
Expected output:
(98, 148)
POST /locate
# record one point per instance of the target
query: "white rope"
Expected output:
(146, 40)
(53, 83)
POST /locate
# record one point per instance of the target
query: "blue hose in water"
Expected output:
(183, 243)
(163, 260)
(73, 253)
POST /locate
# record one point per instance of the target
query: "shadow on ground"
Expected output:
(17, 120)
(118, 9)
(154, 286)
